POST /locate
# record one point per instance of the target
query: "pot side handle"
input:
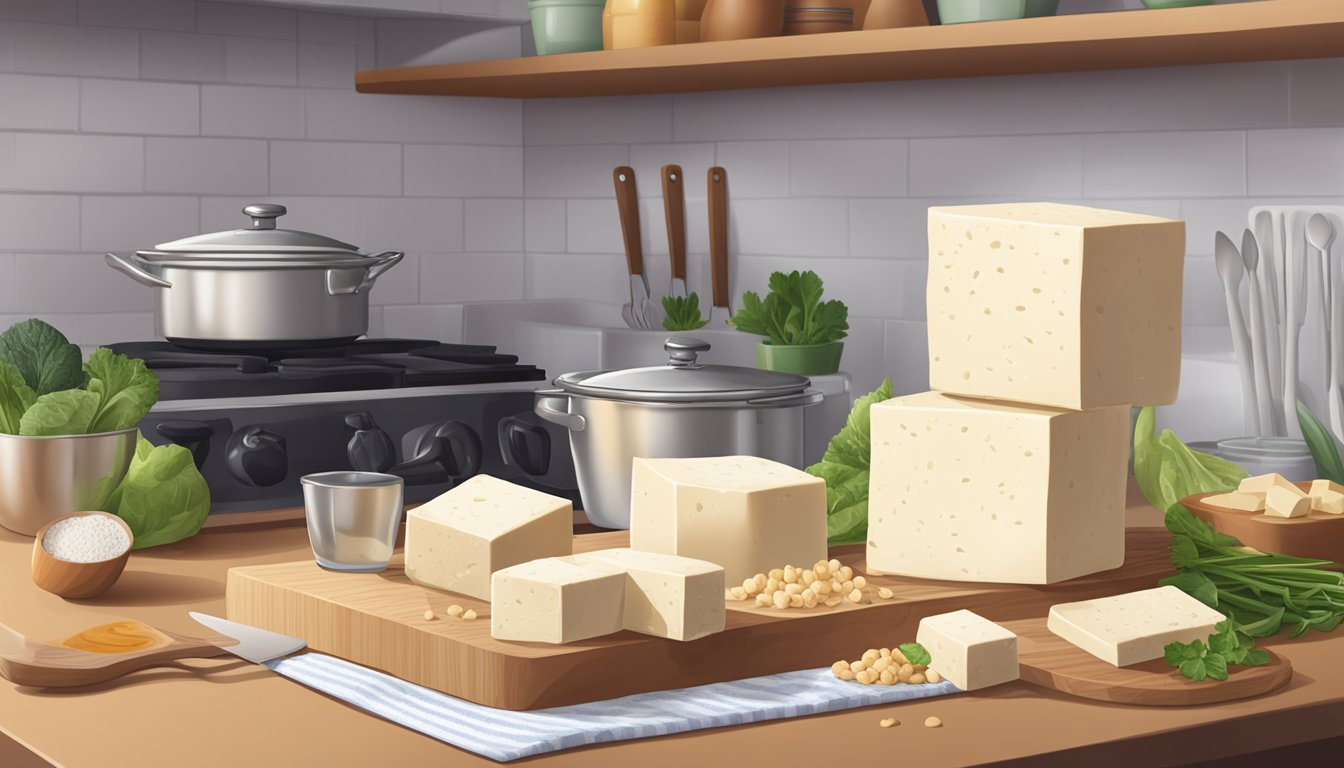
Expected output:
(553, 406)
(341, 281)
(123, 265)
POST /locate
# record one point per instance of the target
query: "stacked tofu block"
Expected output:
(1046, 323)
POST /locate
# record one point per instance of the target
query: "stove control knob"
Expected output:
(257, 457)
(525, 444)
(192, 435)
(370, 449)
(453, 445)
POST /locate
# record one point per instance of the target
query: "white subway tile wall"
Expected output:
(126, 123)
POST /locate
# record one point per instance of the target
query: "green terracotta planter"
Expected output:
(566, 26)
(802, 359)
(963, 11)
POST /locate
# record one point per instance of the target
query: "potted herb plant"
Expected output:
(802, 333)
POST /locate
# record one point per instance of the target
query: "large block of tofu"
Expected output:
(1055, 304)
(678, 598)
(976, 490)
(968, 649)
(744, 513)
(458, 539)
(553, 600)
(1134, 627)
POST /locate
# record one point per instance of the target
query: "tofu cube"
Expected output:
(458, 539)
(1135, 627)
(744, 513)
(1241, 502)
(1288, 501)
(969, 650)
(1327, 497)
(554, 601)
(1058, 305)
(975, 490)
(1261, 484)
(677, 598)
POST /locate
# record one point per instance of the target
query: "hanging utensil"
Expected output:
(635, 313)
(1295, 315)
(1231, 269)
(1265, 401)
(1321, 235)
(718, 248)
(674, 209)
(1272, 310)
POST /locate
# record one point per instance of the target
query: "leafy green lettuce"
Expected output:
(793, 312)
(1168, 470)
(69, 412)
(126, 390)
(15, 398)
(845, 467)
(1324, 452)
(164, 498)
(682, 313)
(47, 360)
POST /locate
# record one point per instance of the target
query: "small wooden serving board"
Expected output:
(1050, 661)
(378, 620)
(1318, 535)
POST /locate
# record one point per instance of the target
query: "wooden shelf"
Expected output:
(1266, 30)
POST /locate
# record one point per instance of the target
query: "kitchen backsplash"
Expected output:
(126, 123)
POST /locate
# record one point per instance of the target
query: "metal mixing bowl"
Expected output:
(43, 478)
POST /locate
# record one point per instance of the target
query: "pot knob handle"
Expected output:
(264, 214)
(682, 350)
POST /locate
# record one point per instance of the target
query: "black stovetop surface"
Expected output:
(365, 364)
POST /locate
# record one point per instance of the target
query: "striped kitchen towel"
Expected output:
(503, 735)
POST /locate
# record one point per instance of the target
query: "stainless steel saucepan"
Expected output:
(684, 409)
(258, 286)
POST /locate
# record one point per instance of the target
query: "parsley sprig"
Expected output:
(682, 313)
(1201, 660)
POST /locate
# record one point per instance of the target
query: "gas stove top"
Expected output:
(367, 364)
(435, 414)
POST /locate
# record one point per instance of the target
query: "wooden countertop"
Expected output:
(230, 713)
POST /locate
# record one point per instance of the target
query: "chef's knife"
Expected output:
(674, 209)
(255, 645)
(718, 248)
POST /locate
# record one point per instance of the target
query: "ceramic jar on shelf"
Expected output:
(741, 19)
(639, 23)
(688, 20)
(888, 14)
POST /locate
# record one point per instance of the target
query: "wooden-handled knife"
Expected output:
(718, 248)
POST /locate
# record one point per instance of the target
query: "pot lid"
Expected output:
(683, 379)
(261, 237)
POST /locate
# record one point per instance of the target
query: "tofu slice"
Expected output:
(555, 601)
(1260, 484)
(1327, 497)
(1135, 627)
(1241, 502)
(968, 649)
(668, 596)
(1287, 502)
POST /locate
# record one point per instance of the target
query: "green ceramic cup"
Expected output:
(963, 11)
(802, 359)
(566, 26)
(1041, 8)
(1175, 3)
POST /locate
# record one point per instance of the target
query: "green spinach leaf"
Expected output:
(1324, 452)
(16, 397)
(915, 653)
(126, 390)
(46, 359)
(69, 412)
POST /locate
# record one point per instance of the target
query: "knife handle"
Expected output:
(718, 234)
(627, 204)
(674, 208)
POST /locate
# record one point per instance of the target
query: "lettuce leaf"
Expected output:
(845, 467)
(164, 498)
(125, 387)
(16, 397)
(1168, 470)
(69, 412)
(46, 359)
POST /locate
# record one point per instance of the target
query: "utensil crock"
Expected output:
(44, 478)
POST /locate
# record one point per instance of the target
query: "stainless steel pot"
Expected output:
(43, 478)
(258, 286)
(681, 410)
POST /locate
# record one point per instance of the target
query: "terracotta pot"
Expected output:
(814, 21)
(887, 14)
(688, 20)
(741, 19)
(638, 23)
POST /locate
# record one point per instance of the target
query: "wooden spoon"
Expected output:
(25, 661)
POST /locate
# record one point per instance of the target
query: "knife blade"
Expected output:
(254, 644)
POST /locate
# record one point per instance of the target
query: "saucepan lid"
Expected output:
(261, 240)
(683, 379)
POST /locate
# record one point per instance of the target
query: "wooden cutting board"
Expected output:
(1319, 534)
(378, 620)
(1050, 661)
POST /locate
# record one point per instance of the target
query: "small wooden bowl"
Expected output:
(1318, 535)
(76, 580)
